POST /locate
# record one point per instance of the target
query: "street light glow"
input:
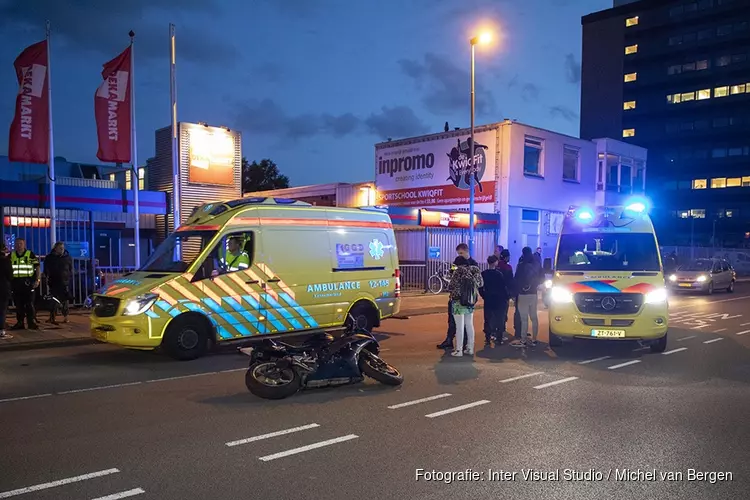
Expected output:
(485, 37)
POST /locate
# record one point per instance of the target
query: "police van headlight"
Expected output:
(673, 277)
(657, 296)
(140, 304)
(561, 295)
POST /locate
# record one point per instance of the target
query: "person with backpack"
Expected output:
(495, 295)
(528, 277)
(464, 291)
(463, 255)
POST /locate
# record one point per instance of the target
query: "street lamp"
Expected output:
(483, 38)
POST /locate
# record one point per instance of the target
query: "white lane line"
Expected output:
(272, 434)
(667, 353)
(556, 382)
(99, 388)
(309, 447)
(181, 377)
(417, 401)
(628, 363)
(744, 324)
(513, 379)
(59, 482)
(122, 494)
(641, 348)
(21, 398)
(686, 338)
(742, 332)
(593, 360)
(713, 340)
(233, 370)
(457, 408)
(720, 330)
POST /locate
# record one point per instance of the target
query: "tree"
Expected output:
(263, 176)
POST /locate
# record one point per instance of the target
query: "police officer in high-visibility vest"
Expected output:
(26, 279)
(235, 258)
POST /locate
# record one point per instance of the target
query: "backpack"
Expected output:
(468, 292)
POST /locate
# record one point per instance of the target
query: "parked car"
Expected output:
(704, 275)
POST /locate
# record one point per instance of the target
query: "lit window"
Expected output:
(128, 184)
(687, 96)
(675, 69)
(141, 179)
(734, 182)
(631, 21)
(683, 214)
(746, 181)
(631, 49)
(701, 65)
(628, 132)
(112, 177)
(738, 89)
(729, 213)
(628, 105)
(704, 94)
(698, 213)
(700, 184)
(688, 66)
(718, 183)
(721, 91)
(532, 156)
(674, 98)
(631, 77)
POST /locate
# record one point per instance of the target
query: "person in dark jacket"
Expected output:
(6, 277)
(463, 254)
(495, 295)
(58, 268)
(503, 265)
(529, 276)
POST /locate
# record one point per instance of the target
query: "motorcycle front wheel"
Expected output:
(377, 369)
(268, 381)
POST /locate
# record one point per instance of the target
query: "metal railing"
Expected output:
(415, 277)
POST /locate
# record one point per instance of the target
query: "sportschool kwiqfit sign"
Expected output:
(436, 173)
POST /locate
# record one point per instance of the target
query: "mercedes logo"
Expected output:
(608, 303)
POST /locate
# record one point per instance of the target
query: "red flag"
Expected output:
(112, 110)
(29, 131)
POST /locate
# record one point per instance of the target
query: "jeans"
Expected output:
(520, 335)
(494, 314)
(464, 321)
(451, 325)
(527, 304)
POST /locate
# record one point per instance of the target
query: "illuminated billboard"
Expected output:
(212, 156)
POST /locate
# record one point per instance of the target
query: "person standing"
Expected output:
(506, 269)
(495, 295)
(26, 279)
(528, 278)
(538, 256)
(463, 253)
(464, 291)
(6, 277)
(58, 268)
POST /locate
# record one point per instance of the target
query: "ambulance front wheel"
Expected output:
(187, 337)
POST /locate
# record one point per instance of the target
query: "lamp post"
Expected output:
(483, 38)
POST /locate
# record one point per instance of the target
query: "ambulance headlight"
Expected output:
(658, 296)
(140, 304)
(560, 295)
(548, 284)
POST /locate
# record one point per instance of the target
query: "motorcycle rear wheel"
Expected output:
(377, 369)
(266, 381)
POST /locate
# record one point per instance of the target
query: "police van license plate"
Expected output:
(608, 333)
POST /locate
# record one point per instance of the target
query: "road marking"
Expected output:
(628, 363)
(713, 340)
(181, 376)
(744, 324)
(417, 401)
(272, 434)
(667, 353)
(59, 482)
(556, 382)
(309, 447)
(720, 330)
(74, 391)
(457, 408)
(641, 348)
(743, 332)
(513, 379)
(233, 370)
(746, 297)
(122, 494)
(593, 360)
(686, 338)
(21, 398)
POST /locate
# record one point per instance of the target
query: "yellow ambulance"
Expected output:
(608, 280)
(254, 267)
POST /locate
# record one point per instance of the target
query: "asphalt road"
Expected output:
(95, 422)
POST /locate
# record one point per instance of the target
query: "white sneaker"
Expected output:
(457, 354)
(4, 335)
(468, 351)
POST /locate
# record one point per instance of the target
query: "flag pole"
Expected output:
(51, 158)
(135, 184)
(176, 194)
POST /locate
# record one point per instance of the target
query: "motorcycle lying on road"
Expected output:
(277, 370)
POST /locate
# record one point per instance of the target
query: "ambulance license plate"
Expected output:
(608, 333)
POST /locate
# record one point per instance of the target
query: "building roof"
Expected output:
(624, 9)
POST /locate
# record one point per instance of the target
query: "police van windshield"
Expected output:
(178, 251)
(607, 252)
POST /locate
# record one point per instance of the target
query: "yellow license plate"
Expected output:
(608, 333)
(686, 285)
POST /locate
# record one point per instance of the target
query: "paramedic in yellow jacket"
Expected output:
(234, 258)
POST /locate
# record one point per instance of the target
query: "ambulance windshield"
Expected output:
(594, 251)
(178, 251)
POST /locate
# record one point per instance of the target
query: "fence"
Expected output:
(415, 278)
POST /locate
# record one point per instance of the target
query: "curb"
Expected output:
(43, 344)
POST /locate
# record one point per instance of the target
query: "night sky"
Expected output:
(311, 84)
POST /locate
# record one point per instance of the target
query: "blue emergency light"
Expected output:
(584, 214)
(637, 205)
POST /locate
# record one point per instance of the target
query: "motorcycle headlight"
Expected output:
(548, 284)
(701, 278)
(561, 295)
(657, 296)
(140, 304)
(673, 277)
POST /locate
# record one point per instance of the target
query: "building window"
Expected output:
(718, 183)
(705, 34)
(687, 126)
(698, 213)
(733, 182)
(141, 179)
(700, 183)
(112, 177)
(687, 96)
(676, 11)
(721, 122)
(631, 49)
(704, 94)
(673, 99)
(689, 37)
(724, 30)
(640, 173)
(746, 181)
(532, 156)
(675, 69)
(128, 182)
(721, 91)
(688, 66)
(631, 21)
(719, 152)
(705, 4)
(701, 65)
(738, 89)
(683, 214)
(631, 77)
(738, 58)
(628, 132)
(613, 168)
(735, 151)
(675, 40)
(628, 105)
(529, 215)
(571, 157)
(691, 7)
(724, 60)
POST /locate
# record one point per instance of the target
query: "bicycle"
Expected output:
(439, 280)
